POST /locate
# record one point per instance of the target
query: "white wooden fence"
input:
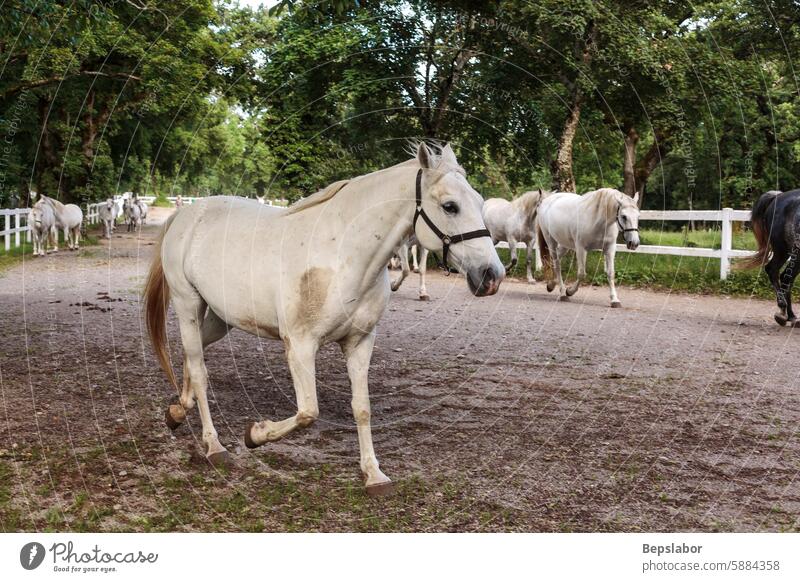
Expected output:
(15, 222)
(726, 252)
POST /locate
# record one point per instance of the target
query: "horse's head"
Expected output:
(451, 206)
(628, 219)
(37, 215)
(109, 203)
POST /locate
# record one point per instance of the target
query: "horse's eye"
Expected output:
(450, 207)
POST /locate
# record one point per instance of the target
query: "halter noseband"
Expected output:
(446, 239)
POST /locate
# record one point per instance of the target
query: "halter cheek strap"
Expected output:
(446, 239)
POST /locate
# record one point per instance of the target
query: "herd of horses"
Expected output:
(316, 272)
(49, 216)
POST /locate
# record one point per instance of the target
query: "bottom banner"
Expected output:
(401, 556)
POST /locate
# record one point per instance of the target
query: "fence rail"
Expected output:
(15, 223)
(726, 252)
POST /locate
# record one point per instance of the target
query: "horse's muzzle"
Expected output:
(485, 282)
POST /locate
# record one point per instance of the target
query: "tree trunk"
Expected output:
(563, 177)
(629, 185)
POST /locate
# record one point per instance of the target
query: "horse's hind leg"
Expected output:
(787, 281)
(301, 354)
(773, 270)
(512, 248)
(358, 351)
(580, 258)
(214, 329)
(423, 270)
(190, 311)
(557, 254)
(76, 237)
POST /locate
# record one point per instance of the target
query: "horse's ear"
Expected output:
(424, 156)
(448, 155)
(636, 199)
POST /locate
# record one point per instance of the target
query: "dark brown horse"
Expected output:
(776, 226)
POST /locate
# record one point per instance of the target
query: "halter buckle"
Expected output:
(446, 240)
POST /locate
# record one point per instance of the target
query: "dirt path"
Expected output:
(507, 413)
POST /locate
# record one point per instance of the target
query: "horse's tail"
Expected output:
(761, 222)
(544, 250)
(156, 303)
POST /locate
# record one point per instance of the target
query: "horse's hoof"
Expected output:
(248, 440)
(425, 297)
(781, 319)
(795, 322)
(616, 304)
(550, 287)
(380, 489)
(571, 292)
(416, 269)
(174, 416)
(564, 298)
(220, 459)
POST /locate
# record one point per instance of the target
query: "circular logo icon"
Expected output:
(31, 555)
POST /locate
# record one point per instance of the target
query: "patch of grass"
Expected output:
(666, 272)
(14, 255)
(161, 201)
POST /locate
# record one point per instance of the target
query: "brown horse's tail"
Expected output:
(761, 221)
(156, 303)
(544, 250)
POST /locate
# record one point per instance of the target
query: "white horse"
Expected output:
(142, 209)
(313, 274)
(514, 222)
(133, 215)
(69, 218)
(119, 211)
(582, 223)
(43, 223)
(107, 213)
(405, 267)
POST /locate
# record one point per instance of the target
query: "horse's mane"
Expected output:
(528, 203)
(317, 198)
(604, 201)
(55, 204)
(330, 191)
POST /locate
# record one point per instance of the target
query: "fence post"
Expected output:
(7, 223)
(16, 229)
(726, 243)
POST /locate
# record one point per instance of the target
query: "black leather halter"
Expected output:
(621, 226)
(447, 239)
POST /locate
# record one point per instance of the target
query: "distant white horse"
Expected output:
(43, 223)
(582, 223)
(514, 222)
(405, 268)
(133, 215)
(119, 211)
(69, 218)
(143, 208)
(107, 213)
(310, 275)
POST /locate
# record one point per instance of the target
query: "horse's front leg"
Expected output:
(580, 258)
(358, 351)
(405, 269)
(609, 251)
(528, 257)
(301, 354)
(414, 257)
(423, 270)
